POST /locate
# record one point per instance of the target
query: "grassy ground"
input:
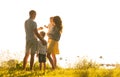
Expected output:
(84, 69)
(91, 72)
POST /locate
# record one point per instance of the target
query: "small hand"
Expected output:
(45, 26)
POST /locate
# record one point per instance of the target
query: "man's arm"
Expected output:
(37, 34)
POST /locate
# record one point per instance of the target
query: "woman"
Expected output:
(53, 39)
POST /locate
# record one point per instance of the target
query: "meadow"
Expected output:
(13, 68)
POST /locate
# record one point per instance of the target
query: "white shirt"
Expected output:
(50, 28)
(41, 48)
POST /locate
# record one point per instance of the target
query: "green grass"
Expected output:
(84, 69)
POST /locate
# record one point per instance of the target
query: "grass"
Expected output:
(83, 69)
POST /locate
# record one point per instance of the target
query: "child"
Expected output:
(41, 53)
(50, 26)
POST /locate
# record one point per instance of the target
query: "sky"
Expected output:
(90, 27)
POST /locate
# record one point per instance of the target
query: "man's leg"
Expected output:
(25, 60)
(31, 61)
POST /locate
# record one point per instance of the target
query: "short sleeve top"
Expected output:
(55, 34)
(41, 48)
(30, 25)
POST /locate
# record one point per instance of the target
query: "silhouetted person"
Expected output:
(31, 39)
(41, 53)
(53, 39)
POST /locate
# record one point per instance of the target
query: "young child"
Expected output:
(41, 53)
(50, 26)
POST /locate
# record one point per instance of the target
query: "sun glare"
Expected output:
(90, 28)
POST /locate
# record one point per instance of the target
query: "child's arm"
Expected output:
(40, 28)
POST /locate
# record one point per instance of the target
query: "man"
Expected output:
(31, 39)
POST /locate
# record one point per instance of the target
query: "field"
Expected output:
(12, 68)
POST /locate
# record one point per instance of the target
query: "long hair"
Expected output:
(58, 22)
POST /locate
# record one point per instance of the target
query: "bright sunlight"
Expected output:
(90, 28)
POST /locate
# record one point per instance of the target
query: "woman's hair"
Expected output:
(58, 22)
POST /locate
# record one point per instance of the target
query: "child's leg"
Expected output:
(44, 66)
(40, 65)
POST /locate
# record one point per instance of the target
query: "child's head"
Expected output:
(51, 19)
(42, 34)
